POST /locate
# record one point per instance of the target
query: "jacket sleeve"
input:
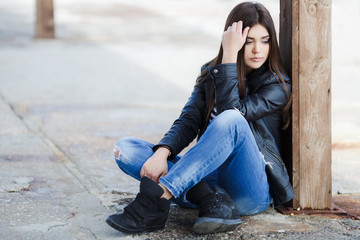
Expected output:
(267, 99)
(185, 129)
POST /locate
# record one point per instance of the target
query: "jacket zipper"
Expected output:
(276, 156)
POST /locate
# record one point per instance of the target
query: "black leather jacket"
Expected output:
(262, 108)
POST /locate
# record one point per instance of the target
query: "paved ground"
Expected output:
(120, 68)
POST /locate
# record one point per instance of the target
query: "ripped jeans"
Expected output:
(225, 155)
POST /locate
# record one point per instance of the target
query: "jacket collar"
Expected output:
(258, 76)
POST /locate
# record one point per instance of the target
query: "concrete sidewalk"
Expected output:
(125, 68)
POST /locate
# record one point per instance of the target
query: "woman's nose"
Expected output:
(256, 48)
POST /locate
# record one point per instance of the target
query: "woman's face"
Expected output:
(257, 47)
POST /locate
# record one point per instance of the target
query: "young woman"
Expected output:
(237, 110)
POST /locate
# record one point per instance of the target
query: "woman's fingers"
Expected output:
(239, 26)
(163, 173)
(155, 179)
(145, 172)
(234, 26)
(245, 32)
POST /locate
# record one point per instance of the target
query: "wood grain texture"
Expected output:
(315, 103)
(45, 25)
(296, 102)
(310, 56)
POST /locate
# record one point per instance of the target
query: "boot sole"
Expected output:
(214, 225)
(126, 230)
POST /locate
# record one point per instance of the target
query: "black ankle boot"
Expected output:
(148, 212)
(218, 212)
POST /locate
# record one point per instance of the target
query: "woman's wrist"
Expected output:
(229, 58)
(164, 150)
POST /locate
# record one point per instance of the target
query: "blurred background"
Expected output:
(125, 67)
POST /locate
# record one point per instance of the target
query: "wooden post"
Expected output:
(45, 27)
(305, 42)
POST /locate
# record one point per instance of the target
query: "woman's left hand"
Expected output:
(156, 166)
(233, 40)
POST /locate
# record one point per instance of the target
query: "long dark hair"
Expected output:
(251, 14)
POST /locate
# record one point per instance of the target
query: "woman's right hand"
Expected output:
(156, 166)
(233, 40)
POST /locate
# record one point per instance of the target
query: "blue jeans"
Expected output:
(226, 155)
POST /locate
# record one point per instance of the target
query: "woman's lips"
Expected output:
(256, 59)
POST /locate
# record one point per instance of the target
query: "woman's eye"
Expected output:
(248, 42)
(266, 41)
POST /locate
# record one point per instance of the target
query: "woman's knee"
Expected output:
(130, 154)
(229, 118)
(120, 146)
(125, 151)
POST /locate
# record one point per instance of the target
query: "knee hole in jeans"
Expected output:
(116, 152)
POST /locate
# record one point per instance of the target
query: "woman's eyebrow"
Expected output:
(251, 38)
